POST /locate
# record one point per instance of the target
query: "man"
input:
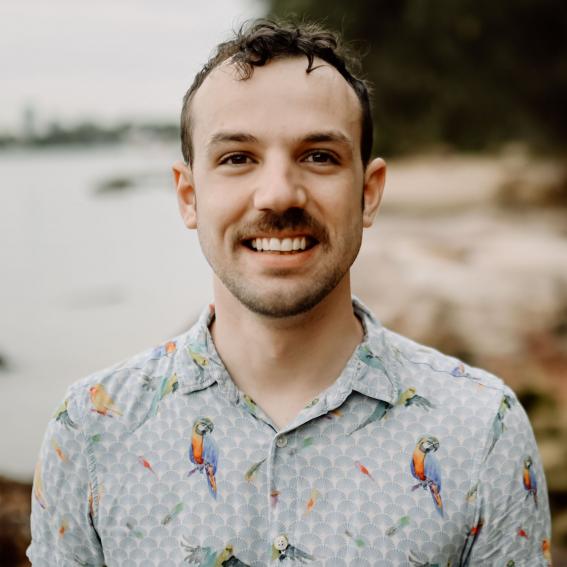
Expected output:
(287, 426)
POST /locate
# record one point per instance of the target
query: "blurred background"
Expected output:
(469, 253)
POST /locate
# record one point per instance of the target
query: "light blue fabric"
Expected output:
(410, 458)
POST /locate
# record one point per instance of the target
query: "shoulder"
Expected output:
(460, 389)
(123, 394)
(429, 362)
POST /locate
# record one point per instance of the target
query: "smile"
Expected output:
(281, 245)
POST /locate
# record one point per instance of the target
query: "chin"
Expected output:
(280, 303)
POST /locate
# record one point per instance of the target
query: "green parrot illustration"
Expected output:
(371, 359)
(249, 474)
(380, 410)
(167, 386)
(175, 511)
(401, 523)
(62, 416)
(410, 397)
(206, 557)
(498, 424)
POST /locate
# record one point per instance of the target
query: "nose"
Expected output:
(279, 186)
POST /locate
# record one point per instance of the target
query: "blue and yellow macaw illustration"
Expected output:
(498, 424)
(167, 385)
(380, 410)
(410, 397)
(425, 468)
(529, 479)
(282, 550)
(206, 557)
(62, 415)
(203, 452)
(371, 359)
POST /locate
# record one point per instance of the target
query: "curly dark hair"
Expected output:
(258, 42)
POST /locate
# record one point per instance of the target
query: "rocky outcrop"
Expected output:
(15, 506)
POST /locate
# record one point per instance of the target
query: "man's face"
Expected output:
(276, 185)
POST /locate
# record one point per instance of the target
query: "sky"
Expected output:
(109, 60)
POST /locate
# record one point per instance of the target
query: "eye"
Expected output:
(320, 156)
(236, 159)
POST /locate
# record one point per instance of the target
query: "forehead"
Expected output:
(280, 99)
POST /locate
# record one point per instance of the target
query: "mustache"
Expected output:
(293, 219)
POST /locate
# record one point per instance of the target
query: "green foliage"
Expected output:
(464, 73)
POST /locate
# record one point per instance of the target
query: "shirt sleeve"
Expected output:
(64, 497)
(513, 525)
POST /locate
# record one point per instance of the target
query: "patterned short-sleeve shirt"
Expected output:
(410, 458)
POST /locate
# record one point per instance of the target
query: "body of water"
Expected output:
(89, 275)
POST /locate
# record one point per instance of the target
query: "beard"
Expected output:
(293, 300)
(287, 298)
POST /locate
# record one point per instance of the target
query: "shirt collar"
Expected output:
(378, 369)
(372, 370)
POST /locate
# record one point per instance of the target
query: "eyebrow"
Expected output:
(224, 137)
(333, 136)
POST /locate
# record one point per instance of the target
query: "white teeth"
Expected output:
(287, 245)
(279, 244)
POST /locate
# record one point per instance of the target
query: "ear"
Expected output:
(374, 179)
(183, 179)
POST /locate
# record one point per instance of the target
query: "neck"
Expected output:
(286, 362)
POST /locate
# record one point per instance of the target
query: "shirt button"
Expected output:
(281, 441)
(280, 542)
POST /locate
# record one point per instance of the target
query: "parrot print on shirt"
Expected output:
(498, 424)
(168, 385)
(203, 452)
(206, 557)
(425, 468)
(529, 479)
(62, 415)
(102, 402)
(370, 359)
(163, 350)
(379, 412)
(410, 397)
